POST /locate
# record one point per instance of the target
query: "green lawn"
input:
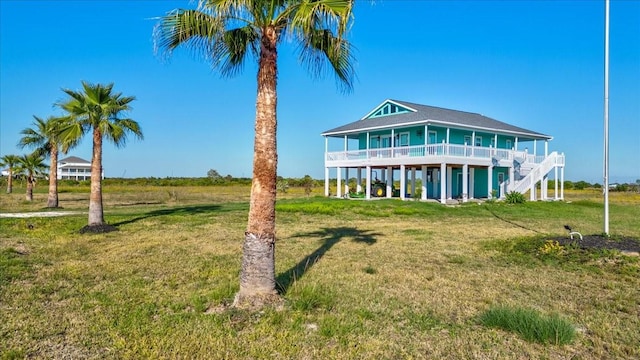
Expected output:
(381, 279)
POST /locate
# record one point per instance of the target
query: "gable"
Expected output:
(387, 108)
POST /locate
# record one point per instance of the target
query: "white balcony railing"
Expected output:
(453, 150)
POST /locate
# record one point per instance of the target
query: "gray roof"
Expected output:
(425, 114)
(74, 159)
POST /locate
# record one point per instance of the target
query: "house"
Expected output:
(456, 155)
(74, 168)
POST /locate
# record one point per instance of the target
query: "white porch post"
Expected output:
(543, 187)
(532, 191)
(448, 135)
(449, 181)
(472, 173)
(403, 181)
(413, 182)
(465, 185)
(339, 183)
(326, 181)
(346, 181)
(368, 142)
(423, 196)
(555, 193)
(383, 175)
(368, 188)
(490, 182)
(515, 147)
(546, 148)
(390, 182)
(345, 143)
(359, 180)
(443, 182)
(535, 147)
(562, 183)
(473, 142)
(512, 178)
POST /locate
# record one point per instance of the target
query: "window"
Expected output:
(467, 140)
(402, 139)
(478, 140)
(508, 144)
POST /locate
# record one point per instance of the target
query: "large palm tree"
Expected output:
(227, 32)
(44, 136)
(98, 110)
(10, 161)
(32, 166)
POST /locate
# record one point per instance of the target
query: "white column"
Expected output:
(449, 181)
(512, 178)
(368, 143)
(368, 188)
(423, 196)
(383, 175)
(339, 183)
(472, 173)
(532, 190)
(447, 135)
(489, 182)
(555, 194)
(535, 147)
(546, 148)
(515, 146)
(562, 183)
(443, 182)
(390, 182)
(359, 180)
(473, 143)
(403, 181)
(465, 184)
(346, 181)
(413, 182)
(326, 181)
(345, 143)
(543, 187)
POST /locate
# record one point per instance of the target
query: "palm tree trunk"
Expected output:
(52, 200)
(257, 277)
(96, 215)
(29, 195)
(10, 182)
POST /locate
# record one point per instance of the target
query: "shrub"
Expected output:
(515, 198)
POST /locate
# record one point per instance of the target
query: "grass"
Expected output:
(360, 280)
(530, 324)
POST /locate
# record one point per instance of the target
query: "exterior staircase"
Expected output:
(530, 173)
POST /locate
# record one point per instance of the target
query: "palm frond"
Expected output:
(320, 47)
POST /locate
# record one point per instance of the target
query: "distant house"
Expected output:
(74, 168)
(455, 154)
(4, 172)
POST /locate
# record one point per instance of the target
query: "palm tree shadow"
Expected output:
(185, 210)
(331, 236)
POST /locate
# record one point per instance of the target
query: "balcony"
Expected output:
(432, 153)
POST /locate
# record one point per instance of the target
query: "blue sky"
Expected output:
(535, 64)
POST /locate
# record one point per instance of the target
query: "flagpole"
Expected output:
(606, 119)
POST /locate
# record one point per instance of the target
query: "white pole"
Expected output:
(606, 119)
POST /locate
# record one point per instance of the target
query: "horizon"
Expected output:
(536, 65)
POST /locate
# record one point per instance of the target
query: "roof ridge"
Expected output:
(440, 107)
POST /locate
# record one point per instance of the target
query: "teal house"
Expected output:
(402, 149)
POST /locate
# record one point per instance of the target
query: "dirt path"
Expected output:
(39, 214)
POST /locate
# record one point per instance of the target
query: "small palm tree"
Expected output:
(227, 32)
(97, 109)
(10, 161)
(44, 136)
(31, 166)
